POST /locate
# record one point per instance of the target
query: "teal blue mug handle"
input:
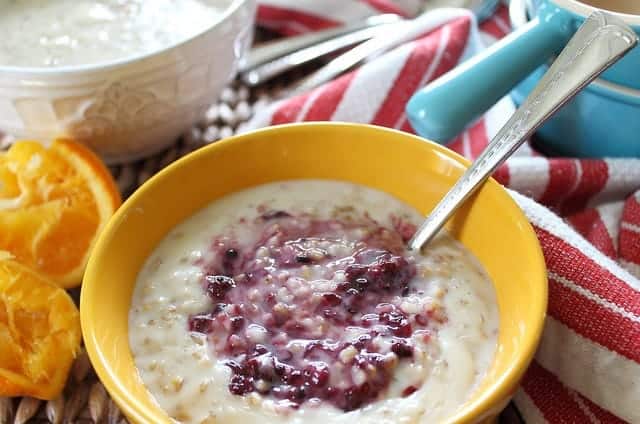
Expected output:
(443, 108)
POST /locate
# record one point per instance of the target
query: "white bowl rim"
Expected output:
(231, 8)
(516, 10)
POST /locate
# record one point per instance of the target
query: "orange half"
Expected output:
(53, 203)
(39, 332)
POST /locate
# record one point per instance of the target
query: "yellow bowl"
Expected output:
(418, 172)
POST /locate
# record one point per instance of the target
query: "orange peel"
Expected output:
(39, 332)
(53, 203)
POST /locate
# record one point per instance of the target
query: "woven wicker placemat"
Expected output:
(85, 400)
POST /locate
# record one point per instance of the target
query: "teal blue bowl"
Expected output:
(601, 121)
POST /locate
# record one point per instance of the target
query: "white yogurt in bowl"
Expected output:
(55, 33)
(297, 302)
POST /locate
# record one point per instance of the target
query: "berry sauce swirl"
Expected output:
(313, 310)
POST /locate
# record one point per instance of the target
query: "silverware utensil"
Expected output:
(273, 50)
(276, 57)
(409, 30)
(256, 73)
(599, 42)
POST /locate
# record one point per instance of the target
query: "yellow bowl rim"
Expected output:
(502, 388)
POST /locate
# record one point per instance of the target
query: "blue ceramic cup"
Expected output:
(602, 120)
(443, 108)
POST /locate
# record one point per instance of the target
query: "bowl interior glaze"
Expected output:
(415, 171)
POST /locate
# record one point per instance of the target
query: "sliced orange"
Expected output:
(53, 203)
(39, 332)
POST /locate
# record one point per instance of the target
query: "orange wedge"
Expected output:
(39, 332)
(53, 203)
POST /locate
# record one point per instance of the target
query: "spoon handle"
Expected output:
(262, 73)
(275, 49)
(397, 35)
(598, 43)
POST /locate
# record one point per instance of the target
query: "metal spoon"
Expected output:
(599, 42)
(255, 73)
(395, 35)
(273, 58)
(278, 49)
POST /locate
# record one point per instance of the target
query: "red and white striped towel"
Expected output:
(587, 369)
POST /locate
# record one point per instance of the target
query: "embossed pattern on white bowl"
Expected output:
(128, 109)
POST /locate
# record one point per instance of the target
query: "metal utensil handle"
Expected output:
(266, 71)
(275, 49)
(598, 43)
(399, 34)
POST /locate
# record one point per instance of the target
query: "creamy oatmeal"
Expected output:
(298, 302)
(45, 33)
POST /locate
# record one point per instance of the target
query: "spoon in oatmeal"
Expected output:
(599, 42)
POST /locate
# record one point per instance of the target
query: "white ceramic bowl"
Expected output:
(134, 107)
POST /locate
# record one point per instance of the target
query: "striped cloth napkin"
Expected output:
(586, 213)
